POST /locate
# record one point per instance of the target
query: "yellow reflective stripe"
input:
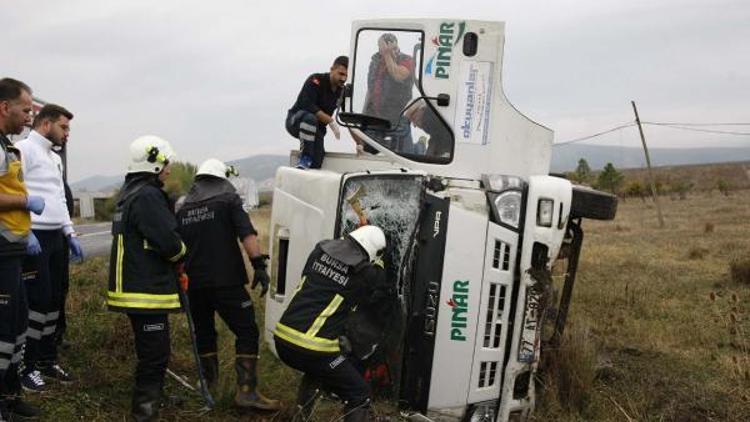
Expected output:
(327, 312)
(139, 305)
(145, 296)
(118, 270)
(143, 300)
(305, 341)
(299, 286)
(379, 263)
(147, 246)
(180, 254)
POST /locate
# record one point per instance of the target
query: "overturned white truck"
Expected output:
(460, 184)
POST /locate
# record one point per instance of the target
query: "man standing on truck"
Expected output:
(15, 227)
(143, 267)
(211, 221)
(44, 266)
(339, 275)
(389, 88)
(313, 111)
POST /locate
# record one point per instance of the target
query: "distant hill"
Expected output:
(565, 157)
(260, 168)
(97, 184)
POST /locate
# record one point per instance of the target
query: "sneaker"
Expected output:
(55, 372)
(33, 382)
(19, 408)
(304, 162)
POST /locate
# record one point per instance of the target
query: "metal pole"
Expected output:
(648, 164)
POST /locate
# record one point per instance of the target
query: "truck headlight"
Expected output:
(508, 207)
(544, 212)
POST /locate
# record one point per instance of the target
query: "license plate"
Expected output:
(529, 345)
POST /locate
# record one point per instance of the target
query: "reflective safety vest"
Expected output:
(331, 287)
(14, 224)
(145, 250)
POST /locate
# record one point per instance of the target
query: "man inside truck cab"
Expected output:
(313, 111)
(339, 275)
(390, 79)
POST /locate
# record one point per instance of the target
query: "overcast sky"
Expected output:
(215, 78)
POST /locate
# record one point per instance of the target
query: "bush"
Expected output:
(723, 186)
(697, 252)
(739, 269)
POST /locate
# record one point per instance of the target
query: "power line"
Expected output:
(723, 132)
(614, 129)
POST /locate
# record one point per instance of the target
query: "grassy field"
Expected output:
(658, 329)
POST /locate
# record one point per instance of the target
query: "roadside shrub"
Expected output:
(723, 186)
(739, 269)
(681, 188)
(697, 252)
(635, 189)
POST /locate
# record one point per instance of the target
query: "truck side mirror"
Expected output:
(443, 100)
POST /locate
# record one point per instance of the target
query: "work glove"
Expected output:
(35, 204)
(76, 253)
(33, 247)
(335, 129)
(261, 276)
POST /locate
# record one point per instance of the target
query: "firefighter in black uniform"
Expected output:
(313, 111)
(339, 275)
(146, 250)
(211, 221)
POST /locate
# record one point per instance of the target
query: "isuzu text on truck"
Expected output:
(473, 218)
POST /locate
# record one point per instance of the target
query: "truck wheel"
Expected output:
(594, 204)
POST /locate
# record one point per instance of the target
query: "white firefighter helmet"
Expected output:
(214, 167)
(371, 238)
(149, 154)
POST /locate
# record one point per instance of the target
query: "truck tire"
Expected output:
(591, 203)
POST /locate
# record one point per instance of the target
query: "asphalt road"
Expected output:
(96, 239)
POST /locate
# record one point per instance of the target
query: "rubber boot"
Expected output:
(307, 396)
(146, 403)
(210, 365)
(247, 385)
(360, 414)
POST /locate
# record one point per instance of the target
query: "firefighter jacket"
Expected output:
(145, 249)
(210, 221)
(14, 224)
(337, 277)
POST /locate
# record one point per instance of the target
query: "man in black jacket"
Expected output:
(313, 111)
(211, 221)
(146, 250)
(339, 276)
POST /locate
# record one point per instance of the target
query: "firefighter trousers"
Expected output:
(14, 313)
(43, 279)
(234, 306)
(304, 126)
(151, 334)
(335, 373)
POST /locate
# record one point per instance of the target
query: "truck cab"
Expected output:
(459, 181)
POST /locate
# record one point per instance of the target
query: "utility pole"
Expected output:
(648, 164)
